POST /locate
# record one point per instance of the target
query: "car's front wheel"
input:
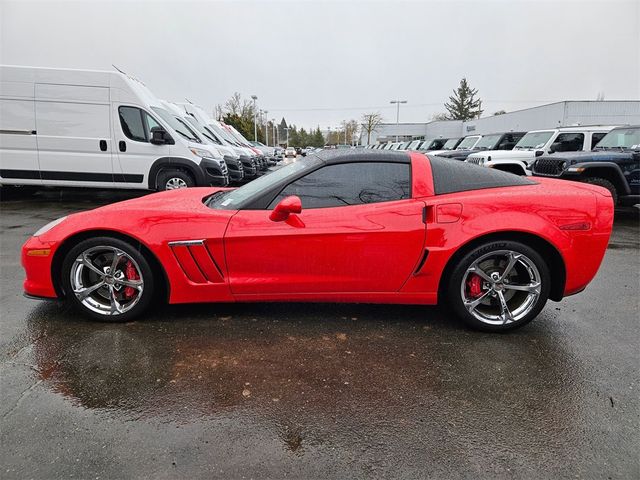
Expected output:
(108, 279)
(498, 286)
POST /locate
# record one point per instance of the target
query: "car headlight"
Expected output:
(198, 152)
(49, 226)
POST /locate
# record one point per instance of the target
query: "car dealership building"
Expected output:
(559, 114)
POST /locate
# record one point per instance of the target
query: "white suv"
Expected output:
(539, 142)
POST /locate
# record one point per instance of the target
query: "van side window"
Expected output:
(131, 122)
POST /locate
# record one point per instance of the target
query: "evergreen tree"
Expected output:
(463, 104)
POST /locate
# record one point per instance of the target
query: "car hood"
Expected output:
(458, 154)
(591, 156)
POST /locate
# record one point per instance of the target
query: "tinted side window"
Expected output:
(131, 122)
(351, 184)
(595, 138)
(569, 142)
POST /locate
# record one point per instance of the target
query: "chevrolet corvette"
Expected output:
(344, 226)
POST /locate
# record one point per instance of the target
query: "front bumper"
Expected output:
(36, 260)
(249, 166)
(215, 173)
(236, 170)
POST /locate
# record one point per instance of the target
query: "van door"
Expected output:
(132, 131)
(74, 135)
(18, 145)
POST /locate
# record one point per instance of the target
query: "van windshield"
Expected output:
(228, 138)
(178, 125)
(202, 130)
(533, 140)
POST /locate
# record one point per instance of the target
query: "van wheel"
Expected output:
(601, 182)
(174, 179)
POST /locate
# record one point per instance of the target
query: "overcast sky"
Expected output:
(318, 63)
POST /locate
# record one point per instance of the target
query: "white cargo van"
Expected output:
(539, 142)
(87, 128)
(247, 157)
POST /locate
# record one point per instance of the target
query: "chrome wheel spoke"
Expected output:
(137, 284)
(472, 304)
(481, 273)
(83, 293)
(531, 288)
(115, 305)
(513, 259)
(117, 256)
(505, 314)
(85, 261)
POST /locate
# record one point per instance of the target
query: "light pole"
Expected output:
(275, 130)
(255, 117)
(266, 122)
(287, 130)
(397, 103)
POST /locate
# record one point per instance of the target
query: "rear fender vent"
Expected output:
(196, 261)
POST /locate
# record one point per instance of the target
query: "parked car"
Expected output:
(290, 152)
(248, 157)
(466, 143)
(538, 142)
(494, 141)
(435, 144)
(491, 256)
(261, 159)
(614, 164)
(99, 129)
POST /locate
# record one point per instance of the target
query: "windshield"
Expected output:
(621, 138)
(450, 144)
(533, 140)
(468, 142)
(230, 200)
(203, 130)
(488, 141)
(225, 135)
(178, 125)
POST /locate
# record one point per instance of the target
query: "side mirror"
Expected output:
(159, 136)
(285, 207)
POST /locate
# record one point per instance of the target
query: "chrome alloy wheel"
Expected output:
(106, 280)
(501, 287)
(174, 183)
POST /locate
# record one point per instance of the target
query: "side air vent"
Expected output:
(196, 261)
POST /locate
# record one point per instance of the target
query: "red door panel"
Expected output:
(361, 248)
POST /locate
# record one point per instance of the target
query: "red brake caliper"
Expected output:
(130, 273)
(475, 285)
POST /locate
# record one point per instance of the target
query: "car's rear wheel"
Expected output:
(174, 179)
(107, 279)
(499, 286)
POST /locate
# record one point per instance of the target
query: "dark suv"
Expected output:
(493, 141)
(614, 164)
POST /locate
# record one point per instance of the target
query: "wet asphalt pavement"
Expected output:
(316, 391)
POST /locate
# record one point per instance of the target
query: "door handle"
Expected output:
(122, 145)
(103, 145)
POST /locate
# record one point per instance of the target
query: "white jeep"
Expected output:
(539, 142)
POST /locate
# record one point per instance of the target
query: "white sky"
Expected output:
(318, 63)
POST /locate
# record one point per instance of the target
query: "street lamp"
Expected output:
(275, 130)
(397, 103)
(255, 116)
(287, 130)
(266, 121)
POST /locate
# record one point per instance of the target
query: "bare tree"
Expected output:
(439, 117)
(370, 122)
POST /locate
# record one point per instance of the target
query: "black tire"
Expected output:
(146, 275)
(602, 182)
(165, 177)
(454, 284)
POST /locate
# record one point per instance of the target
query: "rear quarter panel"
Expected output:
(457, 219)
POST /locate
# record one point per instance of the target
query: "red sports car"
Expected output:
(355, 226)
